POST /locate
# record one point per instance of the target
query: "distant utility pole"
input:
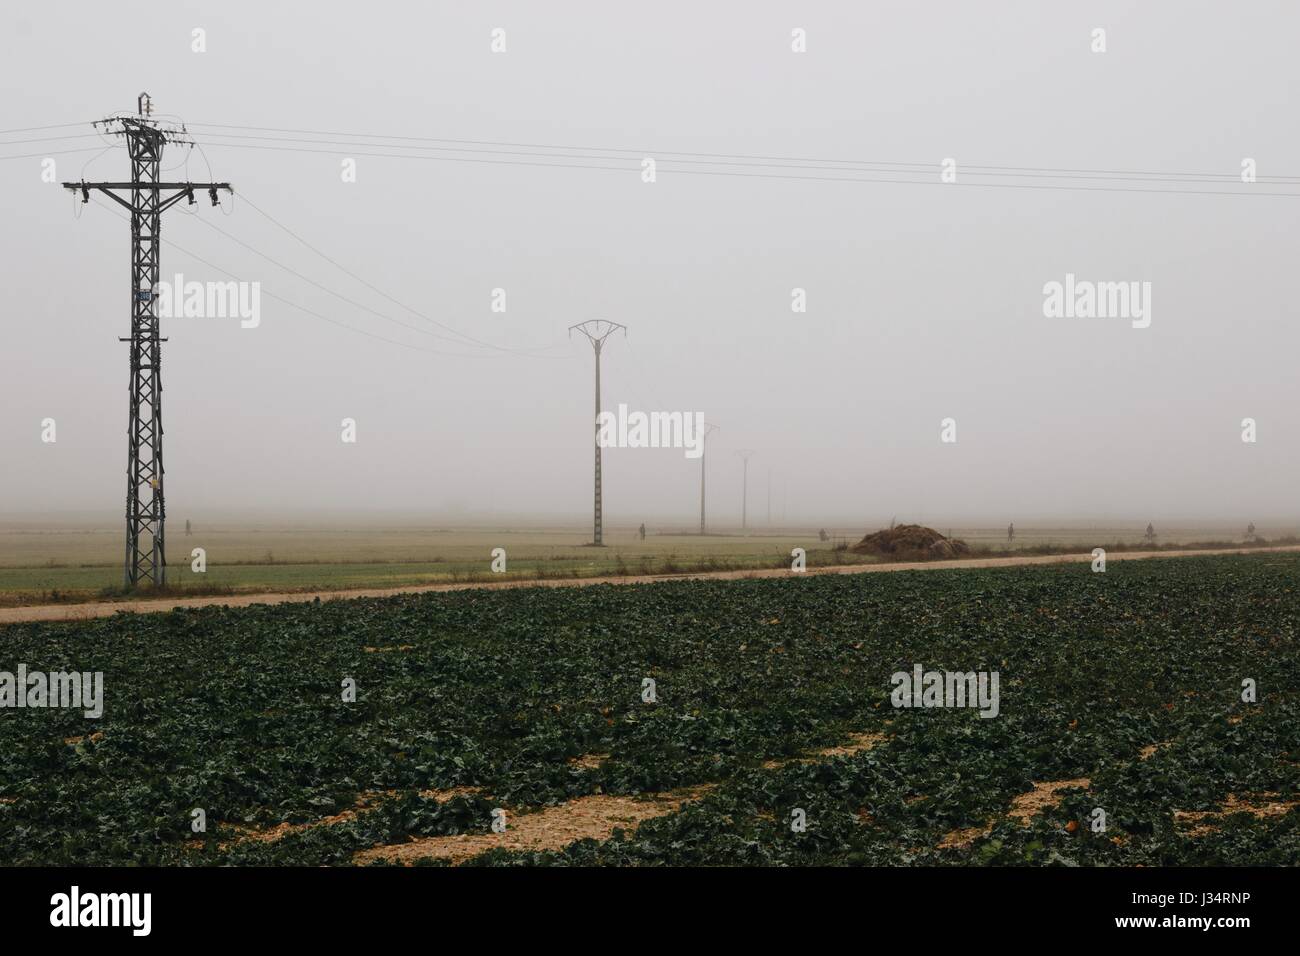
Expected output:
(769, 497)
(745, 454)
(704, 448)
(147, 198)
(597, 331)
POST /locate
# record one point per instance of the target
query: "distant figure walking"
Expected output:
(642, 531)
(1011, 532)
(1151, 533)
(822, 535)
(1250, 531)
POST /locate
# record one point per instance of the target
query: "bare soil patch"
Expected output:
(592, 817)
(1259, 805)
(93, 738)
(553, 828)
(856, 744)
(1044, 796)
(365, 803)
(961, 839)
(588, 761)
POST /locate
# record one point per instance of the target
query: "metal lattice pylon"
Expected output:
(146, 198)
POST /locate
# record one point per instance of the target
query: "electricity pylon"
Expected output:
(704, 449)
(597, 331)
(745, 453)
(147, 199)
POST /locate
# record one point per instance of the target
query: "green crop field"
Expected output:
(82, 562)
(79, 564)
(769, 735)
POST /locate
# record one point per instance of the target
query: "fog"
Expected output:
(924, 299)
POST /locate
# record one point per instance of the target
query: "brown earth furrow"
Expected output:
(1262, 806)
(553, 828)
(1024, 807)
(592, 817)
(365, 803)
(75, 612)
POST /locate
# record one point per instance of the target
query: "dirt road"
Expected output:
(76, 612)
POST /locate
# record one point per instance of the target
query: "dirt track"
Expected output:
(77, 612)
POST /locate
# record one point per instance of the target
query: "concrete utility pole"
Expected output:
(745, 454)
(597, 331)
(146, 199)
(704, 450)
(769, 497)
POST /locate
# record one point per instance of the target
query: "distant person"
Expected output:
(642, 531)
(1011, 532)
(1151, 533)
(822, 535)
(1250, 531)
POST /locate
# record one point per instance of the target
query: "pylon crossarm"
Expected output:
(597, 330)
(148, 187)
(179, 191)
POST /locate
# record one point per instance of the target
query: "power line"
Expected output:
(353, 302)
(812, 164)
(502, 147)
(758, 162)
(56, 152)
(660, 152)
(294, 305)
(33, 129)
(1246, 192)
(338, 265)
(471, 341)
(49, 139)
(324, 288)
(727, 156)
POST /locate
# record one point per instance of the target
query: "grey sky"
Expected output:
(924, 301)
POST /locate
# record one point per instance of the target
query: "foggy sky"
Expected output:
(924, 301)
